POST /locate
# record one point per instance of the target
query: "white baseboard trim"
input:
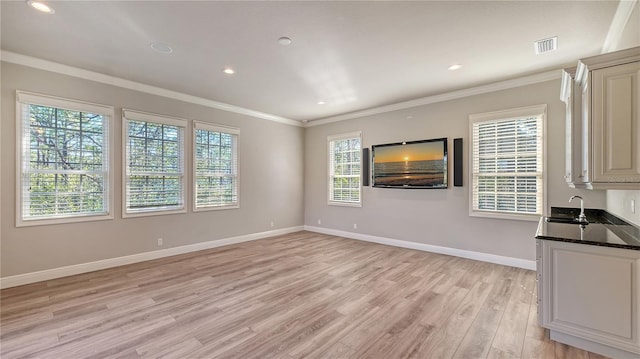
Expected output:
(33, 277)
(479, 256)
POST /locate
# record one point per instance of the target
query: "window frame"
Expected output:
(330, 165)
(198, 125)
(535, 110)
(23, 139)
(134, 115)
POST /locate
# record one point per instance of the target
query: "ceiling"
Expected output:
(350, 55)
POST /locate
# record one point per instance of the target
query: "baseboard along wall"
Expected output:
(33, 277)
(479, 256)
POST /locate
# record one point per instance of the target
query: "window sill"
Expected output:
(216, 208)
(502, 215)
(146, 213)
(62, 220)
(344, 204)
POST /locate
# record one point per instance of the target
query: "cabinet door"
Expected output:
(571, 95)
(591, 292)
(616, 125)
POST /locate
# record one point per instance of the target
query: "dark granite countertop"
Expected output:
(604, 229)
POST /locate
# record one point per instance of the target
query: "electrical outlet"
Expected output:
(355, 226)
(632, 206)
(159, 242)
(272, 224)
(319, 221)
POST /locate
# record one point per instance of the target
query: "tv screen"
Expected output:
(416, 164)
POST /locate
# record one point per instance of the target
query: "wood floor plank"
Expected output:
(511, 332)
(300, 295)
(477, 341)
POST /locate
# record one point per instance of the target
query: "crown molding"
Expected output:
(46, 65)
(620, 20)
(478, 90)
(41, 64)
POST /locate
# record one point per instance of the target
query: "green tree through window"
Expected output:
(216, 167)
(345, 166)
(154, 169)
(64, 162)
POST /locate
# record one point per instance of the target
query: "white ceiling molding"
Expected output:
(37, 63)
(620, 20)
(472, 91)
(29, 61)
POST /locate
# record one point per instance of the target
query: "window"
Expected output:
(215, 167)
(345, 152)
(507, 153)
(154, 181)
(64, 164)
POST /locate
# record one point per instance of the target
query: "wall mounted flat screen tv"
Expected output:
(415, 164)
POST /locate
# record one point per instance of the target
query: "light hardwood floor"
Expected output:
(301, 295)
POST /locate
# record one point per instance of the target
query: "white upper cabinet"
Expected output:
(570, 94)
(616, 125)
(602, 95)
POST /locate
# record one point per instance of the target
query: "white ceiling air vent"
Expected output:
(546, 45)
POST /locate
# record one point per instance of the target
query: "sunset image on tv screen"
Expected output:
(420, 164)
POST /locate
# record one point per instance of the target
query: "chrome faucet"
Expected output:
(581, 217)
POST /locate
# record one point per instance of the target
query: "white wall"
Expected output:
(620, 203)
(630, 36)
(439, 217)
(271, 183)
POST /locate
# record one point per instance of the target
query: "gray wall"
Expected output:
(439, 217)
(271, 183)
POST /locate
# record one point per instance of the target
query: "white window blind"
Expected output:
(215, 166)
(63, 163)
(507, 163)
(345, 169)
(154, 163)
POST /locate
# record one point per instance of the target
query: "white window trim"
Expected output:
(23, 97)
(506, 114)
(161, 119)
(331, 138)
(197, 125)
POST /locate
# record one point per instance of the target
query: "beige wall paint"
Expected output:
(439, 217)
(619, 203)
(631, 34)
(271, 182)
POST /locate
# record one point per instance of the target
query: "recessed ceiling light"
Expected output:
(284, 41)
(321, 102)
(41, 6)
(161, 47)
(455, 67)
(229, 71)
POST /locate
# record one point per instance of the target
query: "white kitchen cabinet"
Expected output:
(602, 96)
(575, 163)
(590, 296)
(616, 125)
